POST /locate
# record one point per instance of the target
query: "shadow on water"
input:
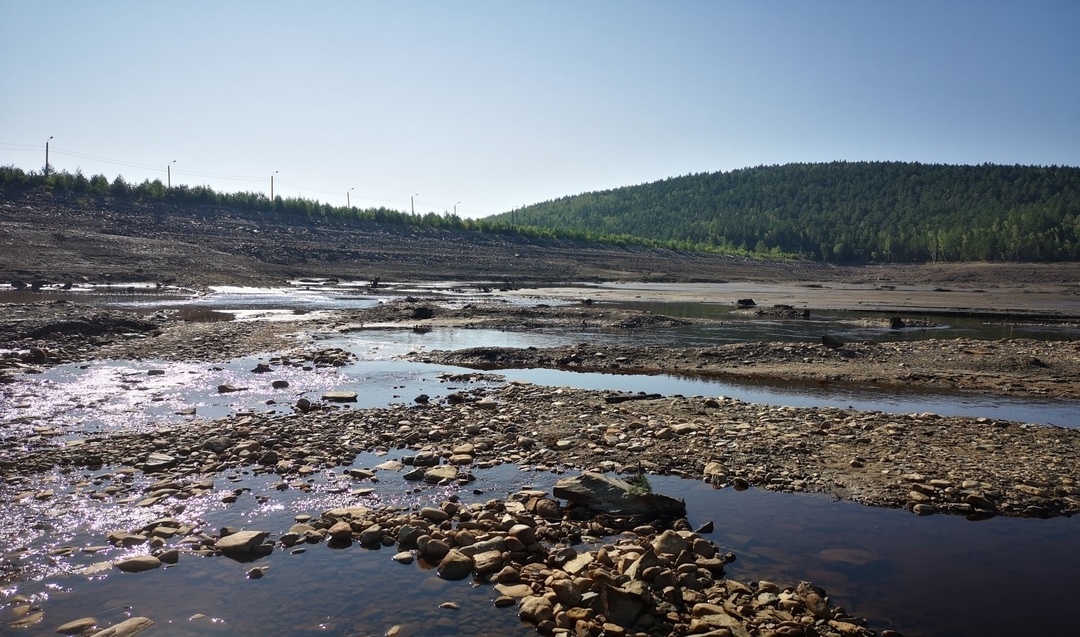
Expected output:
(940, 576)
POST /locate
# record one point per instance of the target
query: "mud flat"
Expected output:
(1013, 367)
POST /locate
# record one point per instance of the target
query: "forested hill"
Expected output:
(844, 211)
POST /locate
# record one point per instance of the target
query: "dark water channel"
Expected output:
(923, 576)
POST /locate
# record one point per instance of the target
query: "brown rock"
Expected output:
(138, 564)
(536, 609)
(455, 566)
(126, 628)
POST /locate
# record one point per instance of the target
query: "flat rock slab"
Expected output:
(440, 473)
(616, 497)
(159, 461)
(340, 396)
(126, 628)
(514, 590)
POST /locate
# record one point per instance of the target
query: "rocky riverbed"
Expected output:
(565, 569)
(928, 463)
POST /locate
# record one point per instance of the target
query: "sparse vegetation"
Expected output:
(82, 191)
(639, 484)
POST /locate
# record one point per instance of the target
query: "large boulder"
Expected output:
(613, 496)
(623, 605)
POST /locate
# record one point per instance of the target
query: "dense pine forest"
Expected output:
(844, 211)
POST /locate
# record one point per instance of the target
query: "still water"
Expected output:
(921, 576)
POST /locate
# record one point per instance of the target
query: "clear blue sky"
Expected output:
(497, 104)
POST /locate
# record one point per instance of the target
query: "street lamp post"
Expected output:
(272, 186)
(412, 204)
(47, 155)
(348, 201)
(168, 172)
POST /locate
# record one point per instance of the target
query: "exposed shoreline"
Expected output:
(925, 463)
(1039, 369)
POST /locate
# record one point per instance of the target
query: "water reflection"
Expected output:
(67, 402)
(1060, 413)
(391, 343)
(919, 575)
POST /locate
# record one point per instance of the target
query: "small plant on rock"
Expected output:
(639, 484)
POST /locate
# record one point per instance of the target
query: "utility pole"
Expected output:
(47, 155)
(348, 201)
(455, 208)
(412, 204)
(168, 172)
(272, 187)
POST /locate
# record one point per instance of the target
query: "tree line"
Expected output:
(79, 189)
(844, 211)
